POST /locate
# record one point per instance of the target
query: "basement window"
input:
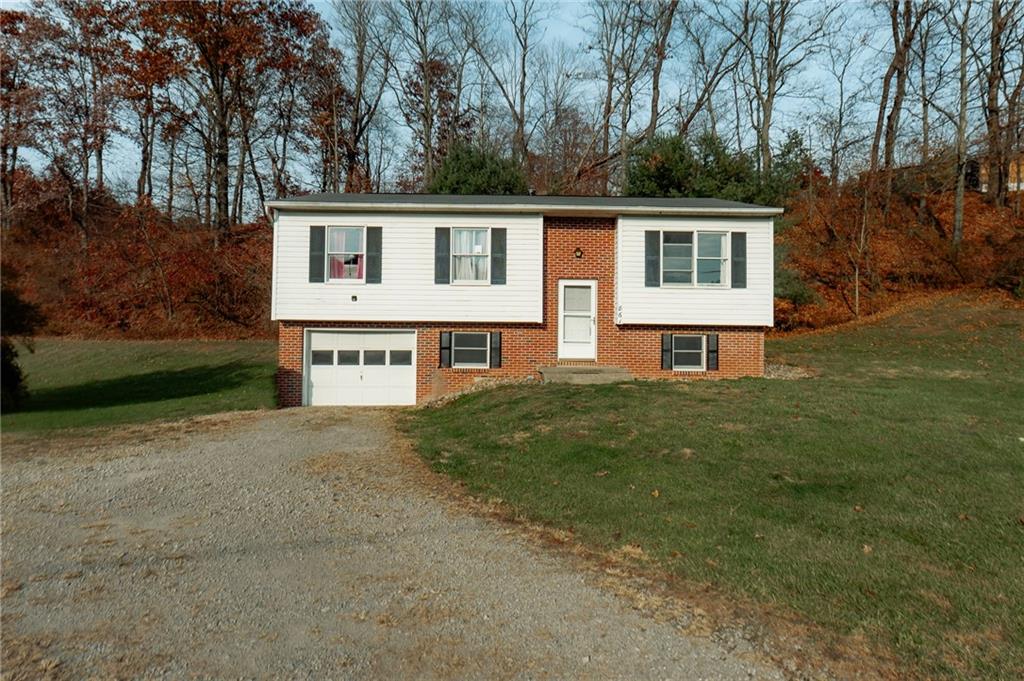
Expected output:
(470, 350)
(687, 353)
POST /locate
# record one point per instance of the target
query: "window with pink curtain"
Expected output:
(345, 254)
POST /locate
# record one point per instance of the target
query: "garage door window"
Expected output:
(469, 350)
(374, 358)
(401, 358)
(348, 358)
(322, 358)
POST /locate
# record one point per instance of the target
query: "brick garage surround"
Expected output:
(526, 347)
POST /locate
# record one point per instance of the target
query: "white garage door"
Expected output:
(362, 368)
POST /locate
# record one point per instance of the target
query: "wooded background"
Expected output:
(140, 139)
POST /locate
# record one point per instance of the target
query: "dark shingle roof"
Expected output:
(541, 204)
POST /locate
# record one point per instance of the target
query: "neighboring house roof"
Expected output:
(551, 205)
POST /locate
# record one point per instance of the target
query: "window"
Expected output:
(346, 254)
(401, 358)
(711, 258)
(688, 353)
(680, 260)
(322, 358)
(470, 350)
(470, 255)
(374, 358)
(348, 358)
(677, 258)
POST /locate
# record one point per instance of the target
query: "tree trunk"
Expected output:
(170, 182)
(996, 190)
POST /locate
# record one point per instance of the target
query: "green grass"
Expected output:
(77, 383)
(883, 498)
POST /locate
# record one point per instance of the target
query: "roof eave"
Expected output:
(548, 209)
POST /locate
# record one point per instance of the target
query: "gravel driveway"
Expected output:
(297, 544)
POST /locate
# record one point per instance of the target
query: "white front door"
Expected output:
(577, 319)
(361, 368)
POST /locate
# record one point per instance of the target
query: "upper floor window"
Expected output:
(346, 254)
(711, 258)
(677, 258)
(681, 261)
(470, 255)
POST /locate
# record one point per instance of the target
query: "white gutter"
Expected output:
(547, 209)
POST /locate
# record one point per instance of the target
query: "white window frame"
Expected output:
(486, 281)
(726, 259)
(487, 347)
(328, 253)
(703, 352)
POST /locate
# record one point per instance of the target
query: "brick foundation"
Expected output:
(526, 347)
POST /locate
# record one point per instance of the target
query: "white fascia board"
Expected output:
(550, 209)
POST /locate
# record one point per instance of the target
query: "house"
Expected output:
(399, 298)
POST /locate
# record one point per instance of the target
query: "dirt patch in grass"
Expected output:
(104, 444)
(785, 372)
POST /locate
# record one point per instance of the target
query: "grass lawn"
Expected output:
(76, 383)
(882, 499)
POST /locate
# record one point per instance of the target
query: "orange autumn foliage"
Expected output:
(909, 250)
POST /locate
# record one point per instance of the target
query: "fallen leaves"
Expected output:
(867, 549)
(600, 474)
(632, 551)
(655, 494)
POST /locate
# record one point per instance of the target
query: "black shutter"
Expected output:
(652, 258)
(442, 255)
(496, 348)
(373, 255)
(446, 349)
(317, 246)
(498, 256)
(666, 351)
(712, 342)
(739, 260)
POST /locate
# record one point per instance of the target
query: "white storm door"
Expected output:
(577, 319)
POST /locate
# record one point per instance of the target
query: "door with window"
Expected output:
(361, 368)
(577, 319)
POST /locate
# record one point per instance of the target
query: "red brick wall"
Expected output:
(525, 347)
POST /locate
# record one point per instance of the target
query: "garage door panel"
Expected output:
(362, 368)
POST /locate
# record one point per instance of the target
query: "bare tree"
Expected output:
(778, 38)
(957, 18)
(838, 120)
(709, 56)
(421, 57)
(366, 45)
(507, 62)
(904, 22)
(1003, 86)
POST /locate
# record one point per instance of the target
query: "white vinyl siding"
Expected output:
(706, 305)
(407, 291)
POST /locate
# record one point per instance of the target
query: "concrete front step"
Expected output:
(585, 374)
